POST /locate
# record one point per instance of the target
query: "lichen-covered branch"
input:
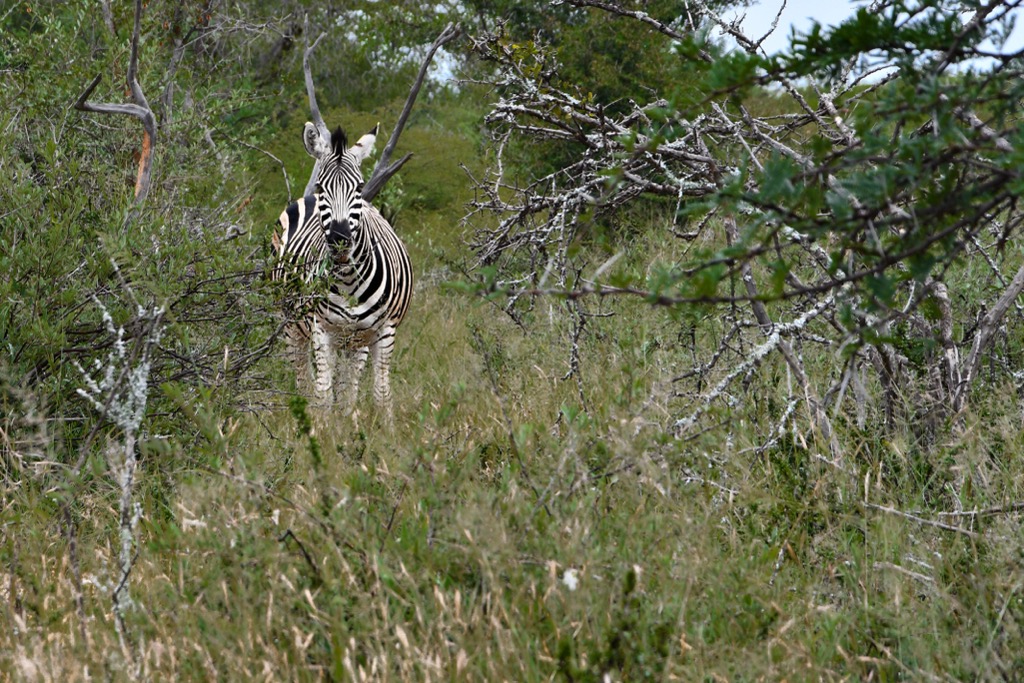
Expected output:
(852, 187)
(118, 389)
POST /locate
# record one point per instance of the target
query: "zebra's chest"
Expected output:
(352, 270)
(360, 287)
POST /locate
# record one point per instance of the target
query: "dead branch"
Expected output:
(917, 576)
(642, 17)
(753, 359)
(989, 324)
(950, 354)
(819, 415)
(140, 110)
(382, 172)
(314, 108)
(1008, 509)
(922, 520)
(612, 156)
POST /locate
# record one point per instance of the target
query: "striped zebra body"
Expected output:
(336, 232)
(302, 254)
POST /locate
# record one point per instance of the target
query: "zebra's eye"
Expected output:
(318, 189)
(359, 190)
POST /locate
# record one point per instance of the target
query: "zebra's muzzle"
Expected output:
(339, 232)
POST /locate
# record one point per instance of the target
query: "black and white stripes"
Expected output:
(335, 231)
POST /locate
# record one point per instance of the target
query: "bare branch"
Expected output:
(752, 361)
(643, 17)
(983, 337)
(772, 28)
(371, 191)
(314, 108)
(923, 578)
(845, 262)
(133, 61)
(986, 132)
(922, 520)
(383, 171)
(818, 412)
(140, 110)
(950, 354)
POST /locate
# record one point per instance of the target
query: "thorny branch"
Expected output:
(789, 278)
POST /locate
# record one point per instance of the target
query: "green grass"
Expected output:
(517, 523)
(501, 531)
(440, 551)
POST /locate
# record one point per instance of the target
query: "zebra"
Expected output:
(336, 231)
(302, 254)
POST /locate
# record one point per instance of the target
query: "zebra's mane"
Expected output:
(339, 141)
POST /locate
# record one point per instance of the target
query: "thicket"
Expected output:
(712, 370)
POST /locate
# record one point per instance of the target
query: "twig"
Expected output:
(642, 17)
(981, 340)
(924, 578)
(753, 360)
(394, 512)
(264, 152)
(1009, 509)
(922, 520)
(288, 534)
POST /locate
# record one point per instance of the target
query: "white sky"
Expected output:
(799, 13)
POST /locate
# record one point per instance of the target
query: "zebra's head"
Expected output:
(339, 180)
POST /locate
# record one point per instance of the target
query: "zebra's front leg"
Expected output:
(381, 350)
(296, 345)
(350, 366)
(323, 363)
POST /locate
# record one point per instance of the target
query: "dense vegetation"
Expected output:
(712, 372)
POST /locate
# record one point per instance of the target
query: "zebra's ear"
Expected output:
(364, 147)
(315, 144)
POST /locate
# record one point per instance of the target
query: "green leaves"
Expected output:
(777, 186)
(735, 72)
(905, 32)
(881, 287)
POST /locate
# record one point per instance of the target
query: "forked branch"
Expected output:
(140, 110)
(384, 170)
(989, 326)
(314, 108)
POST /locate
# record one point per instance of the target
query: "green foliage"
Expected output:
(305, 424)
(71, 235)
(525, 519)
